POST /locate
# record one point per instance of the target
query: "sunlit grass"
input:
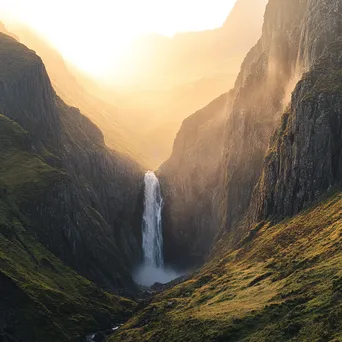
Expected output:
(285, 284)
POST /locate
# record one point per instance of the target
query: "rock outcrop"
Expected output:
(305, 156)
(189, 181)
(295, 34)
(90, 216)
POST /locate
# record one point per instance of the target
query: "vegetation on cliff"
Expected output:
(41, 298)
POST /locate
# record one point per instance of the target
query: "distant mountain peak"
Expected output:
(3, 29)
(253, 9)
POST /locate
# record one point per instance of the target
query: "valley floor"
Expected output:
(285, 283)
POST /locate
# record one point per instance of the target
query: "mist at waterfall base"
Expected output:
(152, 270)
(147, 275)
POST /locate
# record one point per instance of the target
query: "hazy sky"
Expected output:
(81, 29)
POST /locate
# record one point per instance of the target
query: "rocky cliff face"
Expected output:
(89, 217)
(267, 76)
(256, 103)
(295, 34)
(189, 184)
(304, 159)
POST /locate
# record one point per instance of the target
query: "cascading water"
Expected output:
(152, 235)
(152, 269)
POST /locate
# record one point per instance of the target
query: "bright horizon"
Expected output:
(94, 35)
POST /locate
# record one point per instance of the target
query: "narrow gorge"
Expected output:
(237, 236)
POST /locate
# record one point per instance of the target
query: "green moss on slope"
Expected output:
(23, 174)
(285, 284)
(42, 299)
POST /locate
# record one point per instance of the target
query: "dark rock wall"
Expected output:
(189, 181)
(295, 34)
(91, 218)
(261, 95)
(305, 156)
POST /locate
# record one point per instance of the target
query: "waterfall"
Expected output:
(152, 269)
(152, 236)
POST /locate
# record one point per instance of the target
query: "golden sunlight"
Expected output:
(94, 35)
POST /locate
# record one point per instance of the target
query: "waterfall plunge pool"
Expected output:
(147, 275)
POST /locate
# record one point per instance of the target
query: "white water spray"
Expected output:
(152, 269)
(152, 235)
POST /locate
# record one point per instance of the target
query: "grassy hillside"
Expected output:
(23, 175)
(284, 283)
(41, 299)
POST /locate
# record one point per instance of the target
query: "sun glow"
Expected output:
(95, 35)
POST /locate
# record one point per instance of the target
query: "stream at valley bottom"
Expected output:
(101, 336)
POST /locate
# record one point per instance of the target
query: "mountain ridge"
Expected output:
(100, 193)
(66, 84)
